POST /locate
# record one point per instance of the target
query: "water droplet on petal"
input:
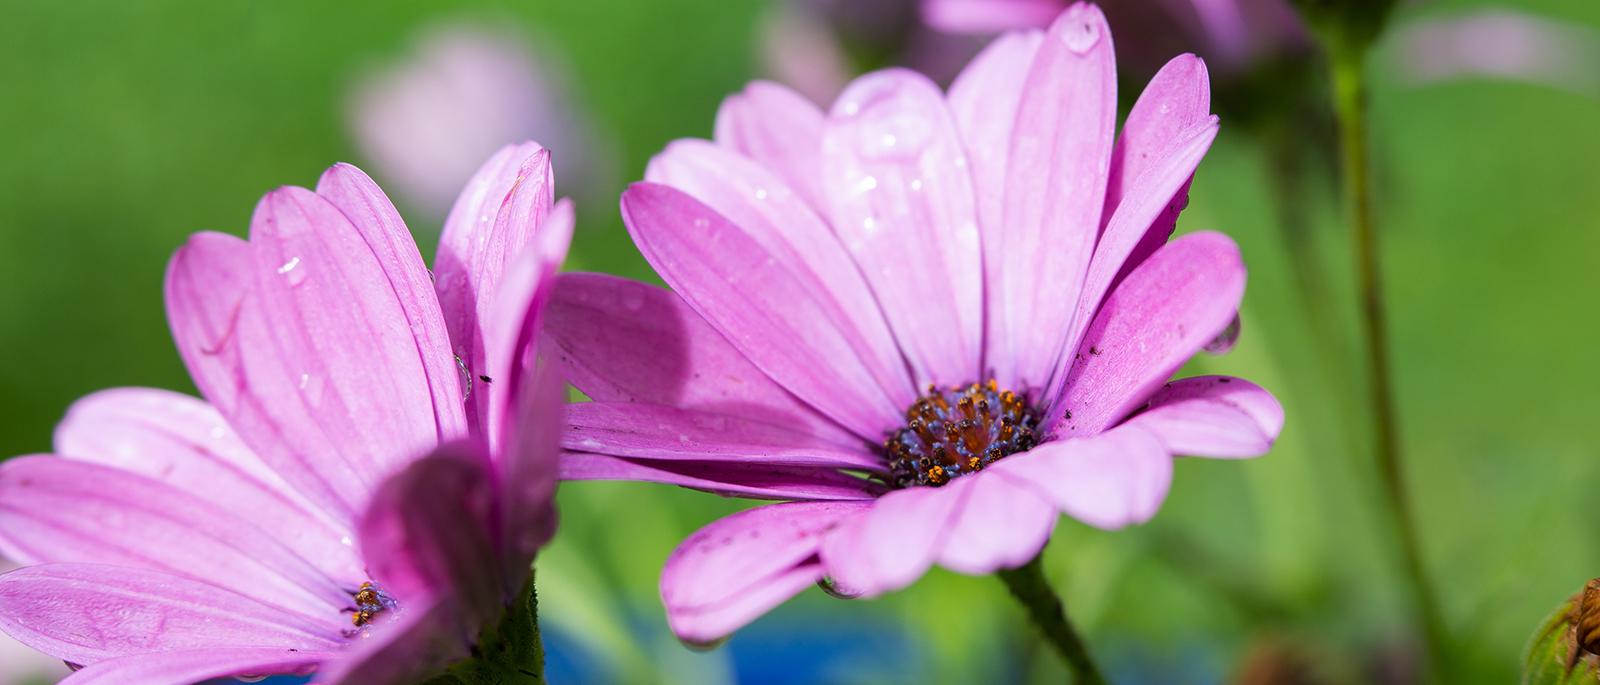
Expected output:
(293, 272)
(1225, 340)
(1080, 36)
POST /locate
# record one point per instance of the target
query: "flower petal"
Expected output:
(224, 340)
(351, 378)
(778, 128)
(624, 341)
(1003, 524)
(514, 318)
(61, 510)
(185, 443)
(409, 648)
(427, 533)
(894, 543)
(791, 233)
(1110, 480)
(1213, 416)
(757, 481)
(784, 322)
(984, 100)
(901, 199)
(1166, 310)
(1055, 191)
(739, 567)
(528, 467)
(84, 613)
(193, 666)
(386, 235)
(654, 431)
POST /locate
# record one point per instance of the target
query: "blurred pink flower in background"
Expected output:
(342, 500)
(817, 46)
(1228, 34)
(1498, 43)
(931, 321)
(426, 120)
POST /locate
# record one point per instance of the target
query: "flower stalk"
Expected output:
(511, 653)
(1028, 584)
(1350, 107)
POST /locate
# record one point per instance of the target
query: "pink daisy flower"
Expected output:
(342, 501)
(929, 322)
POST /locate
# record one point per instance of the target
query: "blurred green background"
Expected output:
(126, 126)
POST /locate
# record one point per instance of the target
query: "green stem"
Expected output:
(1350, 106)
(510, 653)
(1030, 587)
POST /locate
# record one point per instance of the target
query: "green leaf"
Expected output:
(1553, 656)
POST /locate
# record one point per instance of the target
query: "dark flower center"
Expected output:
(370, 600)
(956, 431)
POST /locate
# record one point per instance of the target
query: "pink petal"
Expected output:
(84, 613)
(757, 481)
(386, 235)
(1213, 416)
(1002, 524)
(988, 16)
(215, 317)
(1055, 191)
(339, 339)
(654, 431)
(411, 647)
(732, 571)
(1110, 480)
(625, 341)
(779, 129)
(527, 469)
(429, 531)
(514, 318)
(61, 510)
(1166, 310)
(894, 543)
(784, 323)
(790, 232)
(193, 666)
(901, 201)
(984, 100)
(185, 443)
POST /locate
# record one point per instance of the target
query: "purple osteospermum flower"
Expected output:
(343, 502)
(967, 297)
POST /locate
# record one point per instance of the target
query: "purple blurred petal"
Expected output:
(893, 543)
(193, 666)
(654, 431)
(1110, 480)
(791, 233)
(1055, 183)
(779, 129)
(1166, 310)
(427, 532)
(61, 510)
(1213, 416)
(989, 16)
(620, 340)
(901, 201)
(1002, 524)
(1499, 43)
(409, 647)
(755, 481)
(185, 443)
(84, 613)
(784, 322)
(737, 568)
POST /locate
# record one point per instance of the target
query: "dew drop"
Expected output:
(761, 193)
(1081, 37)
(1225, 340)
(292, 271)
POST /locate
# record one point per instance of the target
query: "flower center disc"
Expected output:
(952, 432)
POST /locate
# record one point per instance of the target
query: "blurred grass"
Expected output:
(126, 126)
